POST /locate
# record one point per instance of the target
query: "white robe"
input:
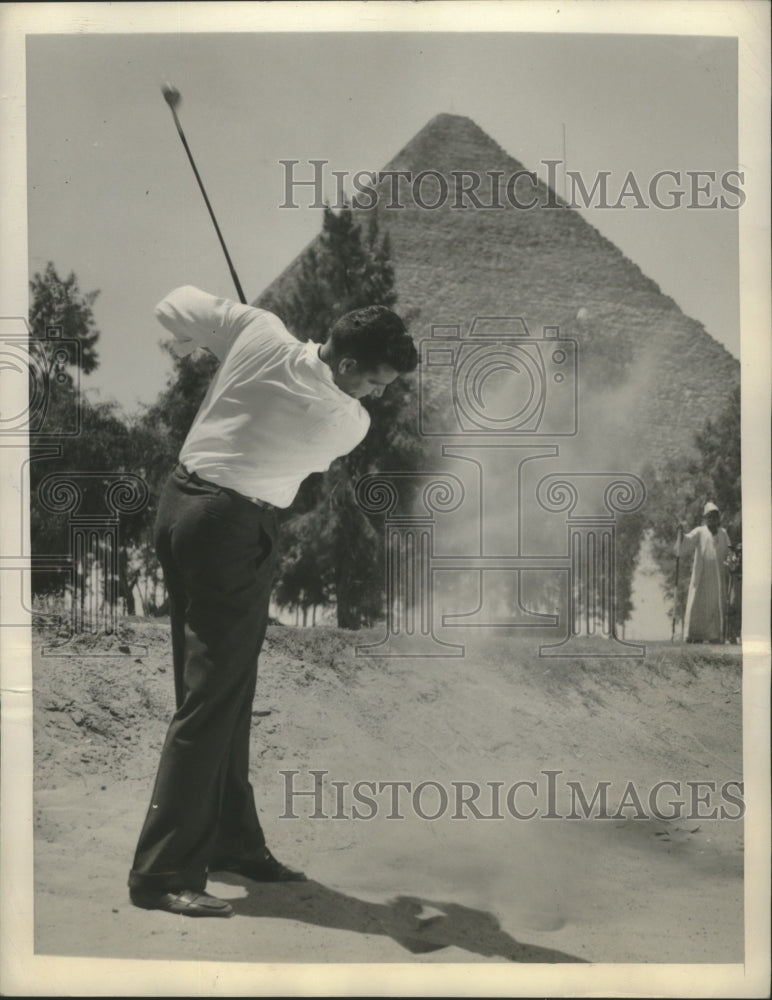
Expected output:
(706, 603)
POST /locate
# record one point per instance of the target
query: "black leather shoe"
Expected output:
(264, 869)
(185, 902)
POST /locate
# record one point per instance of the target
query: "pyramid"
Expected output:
(648, 372)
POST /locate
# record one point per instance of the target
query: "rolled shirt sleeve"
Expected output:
(198, 319)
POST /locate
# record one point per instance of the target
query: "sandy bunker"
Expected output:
(413, 875)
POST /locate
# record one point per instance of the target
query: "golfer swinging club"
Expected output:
(276, 411)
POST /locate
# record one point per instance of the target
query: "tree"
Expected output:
(679, 492)
(304, 577)
(348, 267)
(59, 302)
(629, 535)
(101, 449)
(103, 446)
(719, 462)
(344, 269)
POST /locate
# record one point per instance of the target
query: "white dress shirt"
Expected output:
(272, 414)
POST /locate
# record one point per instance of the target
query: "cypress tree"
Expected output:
(348, 267)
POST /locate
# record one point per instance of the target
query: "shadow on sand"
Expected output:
(455, 925)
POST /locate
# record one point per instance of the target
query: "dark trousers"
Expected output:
(218, 554)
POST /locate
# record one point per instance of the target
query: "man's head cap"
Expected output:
(708, 508)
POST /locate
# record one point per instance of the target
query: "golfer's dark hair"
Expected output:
(374, 336)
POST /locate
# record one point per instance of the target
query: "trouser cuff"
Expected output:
(168, 881)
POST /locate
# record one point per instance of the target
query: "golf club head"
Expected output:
(172, 96)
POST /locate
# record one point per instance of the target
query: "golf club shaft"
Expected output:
(236, 282)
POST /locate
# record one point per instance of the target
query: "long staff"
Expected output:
(675, 589)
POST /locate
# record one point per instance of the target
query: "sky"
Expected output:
(111, 196)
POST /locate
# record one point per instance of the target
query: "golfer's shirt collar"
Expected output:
(349, 405)
(322, 368)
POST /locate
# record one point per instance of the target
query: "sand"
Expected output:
(633, 887)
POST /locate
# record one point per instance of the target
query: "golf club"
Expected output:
(172, 97)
